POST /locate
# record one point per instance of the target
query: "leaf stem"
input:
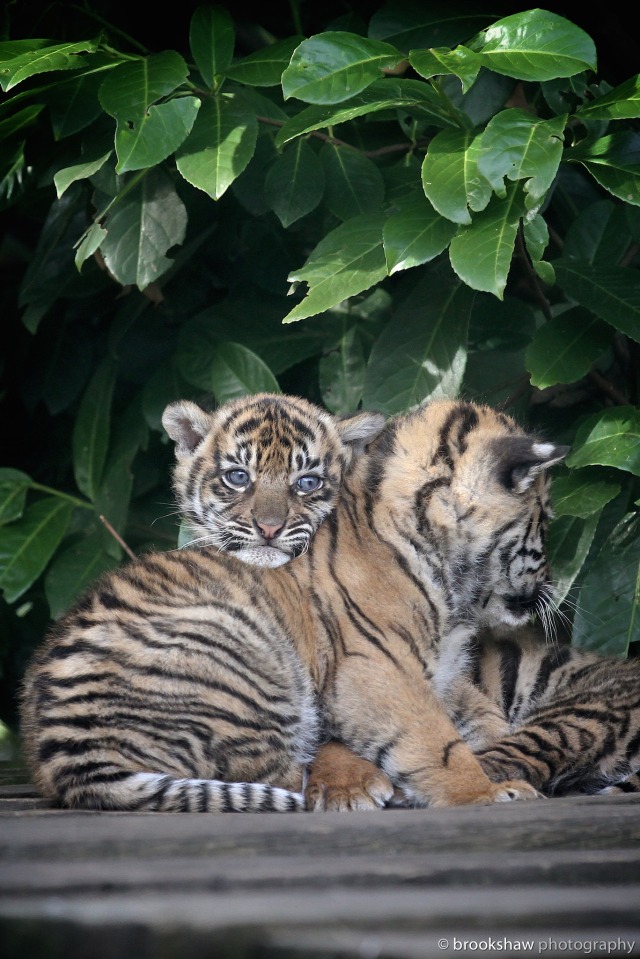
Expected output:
(66, 496)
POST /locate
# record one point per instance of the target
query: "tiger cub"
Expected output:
(175, 683)
(570, 718)
(184, 674)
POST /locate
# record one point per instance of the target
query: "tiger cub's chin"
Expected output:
(267, 556)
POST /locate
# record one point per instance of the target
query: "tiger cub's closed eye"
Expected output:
(308, 484)
(236, 478)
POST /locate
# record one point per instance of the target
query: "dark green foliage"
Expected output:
(370, 209)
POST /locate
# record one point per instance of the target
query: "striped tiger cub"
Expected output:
(566, 720)
(175, 683)
(195, 680)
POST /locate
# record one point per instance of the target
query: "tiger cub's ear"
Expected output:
(359, 429)
(521, 459)
(187, 425)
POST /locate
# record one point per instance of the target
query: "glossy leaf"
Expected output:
(294, 184)
(598, 235)
(91, 429)
(614, 161)
(79, 171)
(265, 67)
(147, 140)
(94, 237)
(520, 146)
(581, 493)
(536, 238)
(128, 91)
(334, 66)
(219, 146)
(342, 373)
(621, 103)
(27, 545)
(74, 104)
(13, 493)
(144, 225)
(535, 45)
(415, 234)
(225, 369)
(566, 347)
(43, 59)
(569, 541)
(347, 261)
(612, 293)
(409, 24)
(462, 63)
(415, 97)
(450, 176)
(353, 183)
(212, 39)
(74, 570)
(609, 438)
(422, 352)
(607, 616)
(481, 253)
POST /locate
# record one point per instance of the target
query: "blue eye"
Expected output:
(236, 478)
(308, 484)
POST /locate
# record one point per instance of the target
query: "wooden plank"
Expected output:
(232, 873)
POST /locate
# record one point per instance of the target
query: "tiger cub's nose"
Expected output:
(269, 531)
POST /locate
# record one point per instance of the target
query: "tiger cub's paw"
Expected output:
(514, 789)
(340, 781)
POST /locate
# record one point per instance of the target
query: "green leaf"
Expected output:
(422, 352)
(417, 98)
(212, 38)
(27, 545)
(568, 545)
(536, 238)
(347, 261)
(606, 618)
(520, 146)
(20, 121)
(79, 171)
(566, 347)
(233, 370)
(481, 253)
(147, 140)
(93, 238)
(219, 146)
(334, 66)
(91, 429)
(74, 570)
(415, 235)
(535, 45)
(409, 24)
(128, 91)
(73, 103)
(450, 176)
(609, 438)
(613, 293)
(295, 183)
(112, 500)
(13, 493)
(342, 374)
(58, 56)
(265, 67)
(462, 63)
(148, 221)
(581, 493)
(614, 162)
(599, 234)
(354, 183)
(621, 103)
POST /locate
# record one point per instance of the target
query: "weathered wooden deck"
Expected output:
(554, 878)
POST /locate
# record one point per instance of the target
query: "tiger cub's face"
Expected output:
(256, 477)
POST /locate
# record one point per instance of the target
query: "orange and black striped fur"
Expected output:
(195, 681)
(175, 683)
(564, 719)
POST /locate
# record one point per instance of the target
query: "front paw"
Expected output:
(340, 781)
(484, 794)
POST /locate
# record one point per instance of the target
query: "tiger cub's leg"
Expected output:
(340, 780)
(398, 722)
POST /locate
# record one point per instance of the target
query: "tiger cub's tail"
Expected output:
(157, 792)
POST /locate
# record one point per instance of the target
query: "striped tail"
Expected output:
(156, 792)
